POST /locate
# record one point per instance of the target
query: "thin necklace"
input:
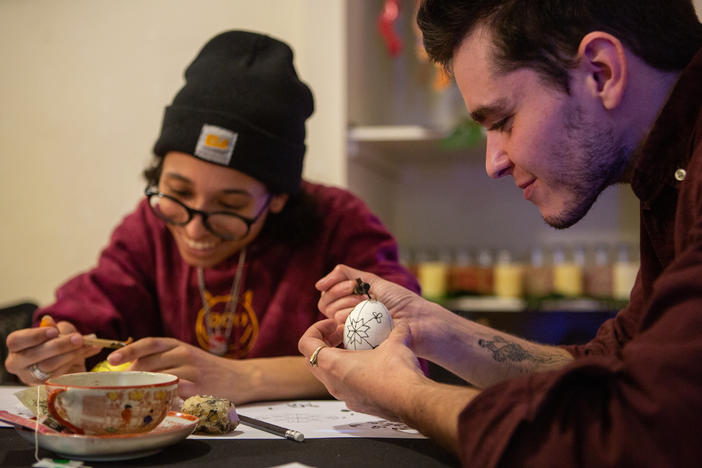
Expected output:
(219, 342)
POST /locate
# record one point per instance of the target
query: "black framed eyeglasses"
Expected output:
(223, 224)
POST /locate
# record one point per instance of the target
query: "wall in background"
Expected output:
(83, 84)
(435, 200)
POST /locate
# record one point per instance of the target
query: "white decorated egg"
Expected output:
(368, 324)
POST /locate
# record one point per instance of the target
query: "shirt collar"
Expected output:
(666, 148)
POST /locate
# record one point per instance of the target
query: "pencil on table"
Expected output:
(290, 434)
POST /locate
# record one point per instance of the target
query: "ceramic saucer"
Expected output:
(174, 428)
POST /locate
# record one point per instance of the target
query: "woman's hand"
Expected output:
(238, 380)
(54, 349)
(199, 371)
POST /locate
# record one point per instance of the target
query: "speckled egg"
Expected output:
(368, 324)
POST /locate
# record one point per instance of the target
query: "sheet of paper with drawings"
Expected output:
(317, 419)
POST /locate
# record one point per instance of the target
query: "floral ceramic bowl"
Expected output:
(97, 403)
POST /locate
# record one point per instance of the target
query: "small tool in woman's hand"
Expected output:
(90, 340)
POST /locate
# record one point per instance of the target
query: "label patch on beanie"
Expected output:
(216, 144)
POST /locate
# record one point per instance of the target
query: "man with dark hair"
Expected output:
(575, 95)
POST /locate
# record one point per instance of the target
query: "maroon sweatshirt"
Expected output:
(142, 287)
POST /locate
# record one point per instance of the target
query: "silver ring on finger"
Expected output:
(313, 359)
(38, 373)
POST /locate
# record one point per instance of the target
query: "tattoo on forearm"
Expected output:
(504, 351)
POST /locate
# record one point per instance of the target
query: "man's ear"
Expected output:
(278, 202)
(603, 60)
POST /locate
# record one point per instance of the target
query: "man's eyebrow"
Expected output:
(482, 113)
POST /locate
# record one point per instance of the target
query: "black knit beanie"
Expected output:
(243, 107)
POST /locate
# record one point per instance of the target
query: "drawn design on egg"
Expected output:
(357, 330)
(358, 333)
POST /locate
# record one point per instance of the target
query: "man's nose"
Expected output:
(497, 162)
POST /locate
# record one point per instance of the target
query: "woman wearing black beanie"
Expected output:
(213, 274)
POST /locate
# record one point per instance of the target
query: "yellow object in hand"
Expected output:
(105, 366)
(47, 321)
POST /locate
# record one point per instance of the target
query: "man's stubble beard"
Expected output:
(591, 159)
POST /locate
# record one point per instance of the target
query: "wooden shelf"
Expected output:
(547, 305)
(394, 133)
(485, 304)
(402, 143)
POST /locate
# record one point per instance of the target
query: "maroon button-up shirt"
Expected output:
(633, 395)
